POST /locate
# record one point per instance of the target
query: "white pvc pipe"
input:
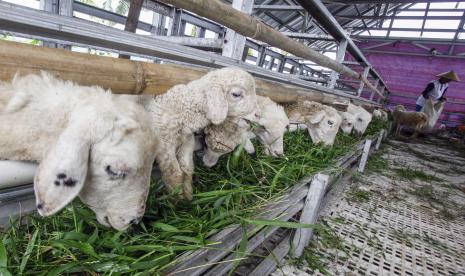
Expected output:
(15, 173)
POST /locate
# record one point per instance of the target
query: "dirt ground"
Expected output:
(405, 215)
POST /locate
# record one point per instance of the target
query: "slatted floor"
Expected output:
(402, 227)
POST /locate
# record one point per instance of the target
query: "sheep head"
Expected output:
(362, 118)
(322, 122)
(230, 92)
(348, 122)
(104, 155)
(272, 126)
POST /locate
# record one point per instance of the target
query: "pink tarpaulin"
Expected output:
(407, 75)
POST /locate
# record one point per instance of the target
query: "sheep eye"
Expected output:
(113, 174)
(237, 94)
(330, 123)
(360, 120)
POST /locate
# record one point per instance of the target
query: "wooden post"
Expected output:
(362, 83)
(309, 214)
(267, 266)
(380, 138)
(234, 42)
(366, 151)
(372, 94)
(133, 19)
(341, 51)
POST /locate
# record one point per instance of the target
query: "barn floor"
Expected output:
(404, 216)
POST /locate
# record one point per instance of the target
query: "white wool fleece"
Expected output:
(185, 109)
(89, 142)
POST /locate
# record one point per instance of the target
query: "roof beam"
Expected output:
(408, 29)
(350, 2)
(278, 8)
(319, 11)
(400, 17)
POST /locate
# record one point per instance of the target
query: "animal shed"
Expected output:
(248, 215)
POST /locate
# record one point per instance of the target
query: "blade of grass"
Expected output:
(28, 252)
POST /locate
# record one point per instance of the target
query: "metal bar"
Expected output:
(278, 8)
(408, 29)
(309, 36)
(107, 15)
(411, 39)
(404, 17)
(413, 54)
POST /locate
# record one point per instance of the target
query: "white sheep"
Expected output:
(412, 119)
(89, 142)
(270, 129)
(362, 118)
(224, 138)
(322, 121)
(433, 111)
(185, 109)
(348, 122)
(271, 126)
(380, 114)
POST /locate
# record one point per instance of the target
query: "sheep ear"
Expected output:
(316, 118)
(121, 127)
(216, 105)
(62, 173)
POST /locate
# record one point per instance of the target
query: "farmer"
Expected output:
(436, 89)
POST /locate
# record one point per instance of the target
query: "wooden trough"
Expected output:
(302, 201)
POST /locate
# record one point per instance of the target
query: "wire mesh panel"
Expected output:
(383, 227)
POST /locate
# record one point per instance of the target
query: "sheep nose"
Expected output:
(136, 220)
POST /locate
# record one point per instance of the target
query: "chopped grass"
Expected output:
(357, 195)
(411, 174)
(376, 163)
(72, 242)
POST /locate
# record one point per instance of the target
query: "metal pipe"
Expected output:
(251, 27)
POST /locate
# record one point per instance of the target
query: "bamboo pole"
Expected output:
(249, 26)
(126, 76)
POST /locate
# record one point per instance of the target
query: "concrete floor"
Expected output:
(404, 216)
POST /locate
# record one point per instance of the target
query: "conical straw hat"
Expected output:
(449, 75)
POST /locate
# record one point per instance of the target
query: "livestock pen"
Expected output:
(317, 209)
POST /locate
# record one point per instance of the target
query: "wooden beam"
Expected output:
(133, 18)
(127, 76)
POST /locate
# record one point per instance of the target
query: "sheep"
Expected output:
(224, 138)
(185, 109)
(322, 121)
(271, 126)
(348, 122)
(412, 119)
(89, 143)
(270, 129)
(380, 114)
(433, 111)
(362, 118)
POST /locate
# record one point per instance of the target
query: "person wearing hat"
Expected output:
(436, 89)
